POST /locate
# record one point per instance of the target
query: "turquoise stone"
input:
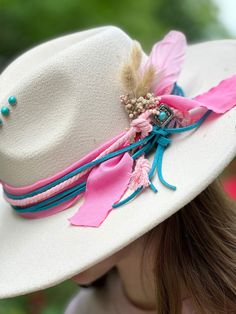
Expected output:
(12, 100)
(5, 111)
(162, 116)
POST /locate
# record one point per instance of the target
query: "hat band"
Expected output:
(104, 175)
(46, 200)
(51, 195)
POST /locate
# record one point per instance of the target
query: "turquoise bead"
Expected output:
(5, 111)
(162, 115)
(12, 100)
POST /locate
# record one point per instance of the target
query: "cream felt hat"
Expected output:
(60, 101)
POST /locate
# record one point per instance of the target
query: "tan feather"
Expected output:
(129, 73)
(136, 55)
(145, 83)
(129, 78)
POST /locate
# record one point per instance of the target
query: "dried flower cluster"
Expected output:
(136, 106)
(138, 85)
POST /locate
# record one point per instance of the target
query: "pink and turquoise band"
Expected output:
(103, 189)
(157, 137)
(11, 193)
(60, 191)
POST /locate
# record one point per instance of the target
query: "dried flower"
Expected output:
(136, 106)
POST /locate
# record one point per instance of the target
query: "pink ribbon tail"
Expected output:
(106, 184)
(219, 99)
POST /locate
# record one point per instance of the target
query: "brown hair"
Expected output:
(197, 250)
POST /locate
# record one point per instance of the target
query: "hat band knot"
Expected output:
(142, 125)
(163, 141)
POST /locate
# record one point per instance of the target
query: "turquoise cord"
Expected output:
(162, 142)
(177, 90)
(44, 205)
(57, 199)
(82, 168)
(67, 194)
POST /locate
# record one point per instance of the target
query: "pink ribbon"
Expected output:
(219, 99)
(229, 186)
(106, 184)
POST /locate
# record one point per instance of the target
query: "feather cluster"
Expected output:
(136, 82)
(156, 76)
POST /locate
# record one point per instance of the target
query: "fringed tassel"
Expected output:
(139, 176)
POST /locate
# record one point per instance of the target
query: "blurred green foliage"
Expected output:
(49, 301)
(26, 23)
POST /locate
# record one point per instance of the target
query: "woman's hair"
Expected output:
(195, 249)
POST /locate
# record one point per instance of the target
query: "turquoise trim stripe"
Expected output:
(56, 199)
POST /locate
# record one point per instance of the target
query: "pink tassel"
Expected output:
(139, 176)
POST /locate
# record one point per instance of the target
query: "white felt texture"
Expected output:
(68, 103)
(36, 254)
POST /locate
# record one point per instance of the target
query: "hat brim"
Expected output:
(40, 253)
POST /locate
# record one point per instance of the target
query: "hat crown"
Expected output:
(190, 163)
(68, 104)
